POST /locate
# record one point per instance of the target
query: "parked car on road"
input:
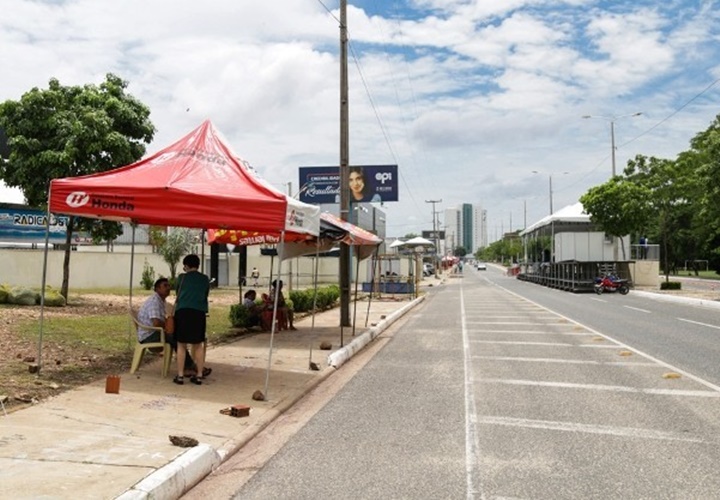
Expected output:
(428, 269)
(481, 266)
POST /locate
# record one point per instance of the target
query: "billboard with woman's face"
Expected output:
(367, 183)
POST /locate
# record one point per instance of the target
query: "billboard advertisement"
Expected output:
(367, 183)
(25, 225)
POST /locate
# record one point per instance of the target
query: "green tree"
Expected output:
(70, 131)
(459, 251)
(676, 198)
(705, 154)
(619, 207)
(177, 242)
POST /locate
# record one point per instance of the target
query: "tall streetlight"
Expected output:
(435, 235)
(612, 119)
(550, 187)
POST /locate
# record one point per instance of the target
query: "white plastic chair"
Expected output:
(141, 348)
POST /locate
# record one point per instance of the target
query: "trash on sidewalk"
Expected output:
(183, 441)
(236, 411)
(112, 384)
(258, 395)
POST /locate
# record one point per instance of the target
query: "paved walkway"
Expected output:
(89, 444)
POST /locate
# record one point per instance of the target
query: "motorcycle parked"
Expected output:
(611, 283)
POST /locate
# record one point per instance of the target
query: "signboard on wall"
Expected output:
(368, 183)
(433, 235)
(20, 224)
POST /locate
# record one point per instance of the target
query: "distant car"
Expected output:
(428, 269)
(481, 266)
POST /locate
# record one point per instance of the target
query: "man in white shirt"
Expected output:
(152, 313)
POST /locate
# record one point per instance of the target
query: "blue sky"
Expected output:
(467, 97)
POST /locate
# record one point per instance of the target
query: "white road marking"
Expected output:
(568, 361)
(472, 443)
(689, 375)
(556, 344)
(637, 309)
(599, 387)
(698, 323)
(531, 332)
(597, 300)
(630, 432)
(517, 323)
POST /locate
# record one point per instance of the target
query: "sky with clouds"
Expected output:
(469, 98)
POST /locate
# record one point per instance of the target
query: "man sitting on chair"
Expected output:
(152, 313)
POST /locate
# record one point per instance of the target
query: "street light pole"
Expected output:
(435, 235)
(612, 119)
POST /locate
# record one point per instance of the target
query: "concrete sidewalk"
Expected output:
(89, 444)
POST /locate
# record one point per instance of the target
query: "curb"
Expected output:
(177, 477)
(337, 358)
(713, 304)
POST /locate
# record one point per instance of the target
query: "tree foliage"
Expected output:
(674, 202)
(67, 131)
(618, 207)
(177, 242)
(460, 251)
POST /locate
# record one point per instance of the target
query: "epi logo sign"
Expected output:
(383, 177)
(77, 199)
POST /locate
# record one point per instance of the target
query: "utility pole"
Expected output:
(344, 168)
(435, 235)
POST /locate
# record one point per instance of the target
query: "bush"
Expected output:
(238, 315)
(302, 300)
(4, 295)
(670, 285)
(148, 276)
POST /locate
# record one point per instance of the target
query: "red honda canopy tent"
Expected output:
(196, 182)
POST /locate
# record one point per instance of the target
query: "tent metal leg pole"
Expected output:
(42, 290)
(314, 305)
(281, 248)
(372, 284)
(357, 279)
(132, 264)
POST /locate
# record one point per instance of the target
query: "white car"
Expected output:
(481, 266)
(428, 269)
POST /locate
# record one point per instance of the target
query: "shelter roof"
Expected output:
(569, 214)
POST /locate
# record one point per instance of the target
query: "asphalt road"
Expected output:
(484, 393)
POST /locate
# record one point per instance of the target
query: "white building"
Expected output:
(465, 225)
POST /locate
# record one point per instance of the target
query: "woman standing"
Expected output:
(191, 308)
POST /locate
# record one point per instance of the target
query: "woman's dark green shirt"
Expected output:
(194, 288)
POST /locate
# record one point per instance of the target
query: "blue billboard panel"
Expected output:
(25, 225)
(367, 183)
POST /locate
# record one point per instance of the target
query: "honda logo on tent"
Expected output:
(77, 199)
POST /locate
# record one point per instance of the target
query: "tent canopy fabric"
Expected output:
(418, 241)
(196, 182)
(569, 214)
(332, 230)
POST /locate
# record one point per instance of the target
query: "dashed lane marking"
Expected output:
(629, 432)
(566, 361)
(699, 323)
(599, 387)
(637, 309)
